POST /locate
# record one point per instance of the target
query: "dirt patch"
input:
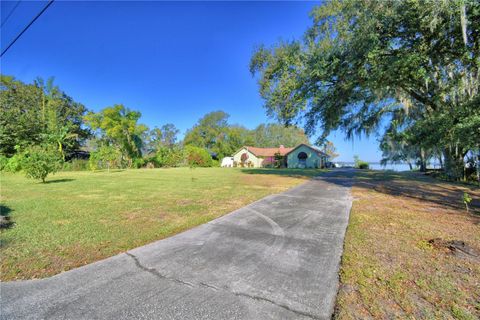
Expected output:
(5, 222)
(457, 248)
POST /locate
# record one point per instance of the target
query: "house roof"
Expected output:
(267, 152)
(315, 149)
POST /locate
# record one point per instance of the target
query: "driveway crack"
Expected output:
(155, 271)
(302, 313)
(157, 274)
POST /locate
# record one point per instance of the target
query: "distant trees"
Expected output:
(413, 65)
(118, 126)
(38, 113)
(274, 135)
(165, 136)
(330, 150)
(214, 133)
(105, 156)
(41, 127)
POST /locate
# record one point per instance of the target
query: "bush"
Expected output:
(360, 164)
(105, 157)
(138, 163)
(197, 157)
(268, 162)
(40, 161)
(215, 163)
(3, 162)
(76, 165)
(168, 157)
(14, 164)
(363, 165)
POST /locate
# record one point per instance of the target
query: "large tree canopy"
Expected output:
(274, 135)
(119, 126)
(36, 113)
(413, 63)
(165, 136)
(211, 133)
(214, 133)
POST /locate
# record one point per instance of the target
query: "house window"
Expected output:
(302, 158)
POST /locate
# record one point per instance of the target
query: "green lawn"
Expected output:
(79, 217)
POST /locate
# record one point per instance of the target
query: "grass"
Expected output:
(390, 269)
(80, 217)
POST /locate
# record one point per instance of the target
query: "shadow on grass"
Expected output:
(5, 221)
(111, 171)
(413, 185)
(59, 180)
(307, 173)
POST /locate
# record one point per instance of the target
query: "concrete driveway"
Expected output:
(277, 258)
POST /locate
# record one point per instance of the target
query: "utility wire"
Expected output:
(8, 16)
(28, 26)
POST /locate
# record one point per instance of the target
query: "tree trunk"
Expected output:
(410, 165)
(454, 166)
(478, 166)
(423, 162)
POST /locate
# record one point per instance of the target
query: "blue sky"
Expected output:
(173, 61)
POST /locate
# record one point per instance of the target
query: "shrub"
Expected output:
(466, 200)
(14, 164)
(168, 157)
(40, 161)
(278, 162)
(105, 157)
(197, 157)
(215, 163)
(138, 162)
(76, 165)
(360, 164)
(3, 162)
(268, 162)
(363, 165)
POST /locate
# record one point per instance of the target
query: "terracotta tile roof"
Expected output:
(268, 152)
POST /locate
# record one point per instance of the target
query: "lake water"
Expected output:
(394, 167)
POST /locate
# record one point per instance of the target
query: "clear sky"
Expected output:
(173, 61)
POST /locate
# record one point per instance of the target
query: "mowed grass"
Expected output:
(389, 269)
(80, 217)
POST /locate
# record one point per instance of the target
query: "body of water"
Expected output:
(394, 167)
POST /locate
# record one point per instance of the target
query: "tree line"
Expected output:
(42, 130)
(412, 65)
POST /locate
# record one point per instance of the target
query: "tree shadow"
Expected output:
(307, 173)
(59, 180)
(414, 185)
(111, 171)
(5, 219)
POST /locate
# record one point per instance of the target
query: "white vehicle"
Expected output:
(227, 162)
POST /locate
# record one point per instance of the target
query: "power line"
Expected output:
(28, 26)
(8, 16)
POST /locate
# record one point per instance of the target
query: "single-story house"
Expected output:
(253, 157)
(305, 156)
(302, 156)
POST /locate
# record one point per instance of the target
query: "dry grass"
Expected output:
(390, 270)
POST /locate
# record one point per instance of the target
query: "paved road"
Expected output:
(277, 258)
